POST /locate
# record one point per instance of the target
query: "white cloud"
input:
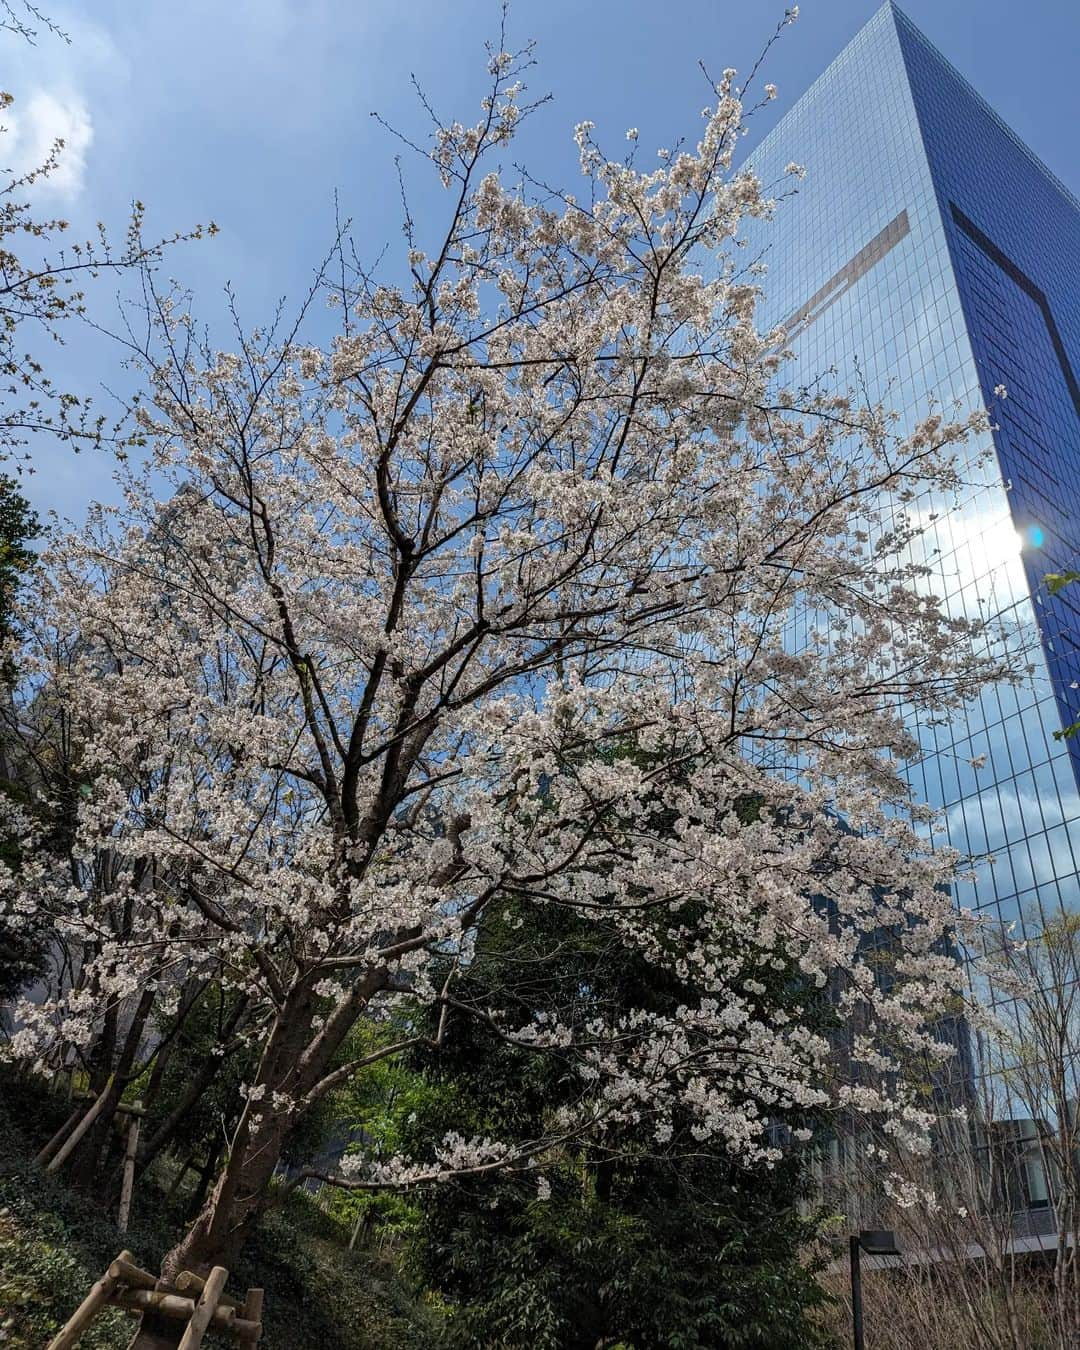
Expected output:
(34, 124)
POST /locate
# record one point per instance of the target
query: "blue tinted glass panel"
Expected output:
(928, 253)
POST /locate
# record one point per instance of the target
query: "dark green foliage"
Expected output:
(641, 1243)
(54, 1243)
(37, 1254)
(23, 950)
(324, 1296)
(18, 528)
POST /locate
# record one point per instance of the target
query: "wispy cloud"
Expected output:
(34, 125)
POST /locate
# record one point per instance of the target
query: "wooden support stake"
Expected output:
(122, 1108)
(131, 1275)
(129, 1173)
(77, 1133)
(207, 1305)
(190, 1284)
(87, 1310)
(252, 1319)
(175, 1306)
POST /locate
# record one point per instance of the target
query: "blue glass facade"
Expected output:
(928, 253)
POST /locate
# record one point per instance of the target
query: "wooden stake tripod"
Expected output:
(200, 1303)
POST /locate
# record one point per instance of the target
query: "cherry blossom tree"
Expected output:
(356, 674)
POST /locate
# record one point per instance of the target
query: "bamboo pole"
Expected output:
(88, 1309)
(77, 1133)
(207, 1305)
(129, 1173)
(159, 1301)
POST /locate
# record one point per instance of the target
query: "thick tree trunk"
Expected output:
(157, 1333)
(240, 1193)
(239, 1197)
(293, 1062)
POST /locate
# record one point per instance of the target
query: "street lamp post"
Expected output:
(874, 1242)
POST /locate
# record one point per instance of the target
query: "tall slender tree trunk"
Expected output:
(206, 1174)
(86, 1168)
(190, 995)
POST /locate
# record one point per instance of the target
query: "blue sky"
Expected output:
(252, 112)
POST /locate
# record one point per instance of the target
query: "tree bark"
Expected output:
(239, 1195)
(156, 1333)
(294, 1060)
(206, 1174)
(86, 1169)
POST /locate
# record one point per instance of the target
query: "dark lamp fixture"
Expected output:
(879, 1242)
(874, 1242)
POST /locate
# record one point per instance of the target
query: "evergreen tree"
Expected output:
(626, 1238)
(22, 948)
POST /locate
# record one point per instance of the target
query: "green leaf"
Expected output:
(1057, 581)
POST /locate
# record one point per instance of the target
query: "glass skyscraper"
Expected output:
(928, 252)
